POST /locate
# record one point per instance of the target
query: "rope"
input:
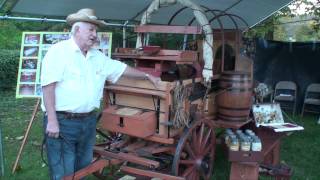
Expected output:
(181, 117)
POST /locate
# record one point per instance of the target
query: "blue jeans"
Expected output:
(73, 150)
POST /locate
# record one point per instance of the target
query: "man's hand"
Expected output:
(52, 127)
(207, 76)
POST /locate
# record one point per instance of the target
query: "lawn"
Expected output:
(300, 150)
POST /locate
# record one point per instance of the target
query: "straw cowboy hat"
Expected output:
(85, 15)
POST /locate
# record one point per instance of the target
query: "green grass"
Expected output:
(300, 150)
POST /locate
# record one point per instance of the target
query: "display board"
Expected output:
(34, 47)
(270, 115)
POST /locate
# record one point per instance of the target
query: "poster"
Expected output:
(34, 47)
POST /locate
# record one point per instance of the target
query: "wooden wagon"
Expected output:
(142, 137)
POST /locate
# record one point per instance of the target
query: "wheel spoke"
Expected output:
(195, 142)
(205, 141)
(190, 151)
(187, 162)
(201, 133)
(188, 171)
(207, 149)
(194, 176)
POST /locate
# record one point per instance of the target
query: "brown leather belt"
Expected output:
(69, 115)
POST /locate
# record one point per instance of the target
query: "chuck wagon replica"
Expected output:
(168, 131)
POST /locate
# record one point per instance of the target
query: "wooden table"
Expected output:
(245, 165)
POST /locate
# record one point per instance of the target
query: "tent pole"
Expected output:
(124, 36)
(52, 20)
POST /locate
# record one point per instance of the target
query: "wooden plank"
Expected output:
(151, 174)
(229, 34)
(143, 102)
(162, 55)
(127, 157)
(168, 58)
(159, 139)
(163, 129)
(168, 29)
(132, 90)
(134, 146)
(157, 148)
(145, 84)
(93, 167)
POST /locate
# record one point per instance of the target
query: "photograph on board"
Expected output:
(31, 39)
(30, 51)
(54, 38)
(26, 89)
(29, 63)
(28, 76)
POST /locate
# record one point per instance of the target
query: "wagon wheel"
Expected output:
(194, 156)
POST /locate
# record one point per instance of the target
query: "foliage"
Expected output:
(302, 16)
(9, 60)
(267, 27)
(10, 35)
(11, 31)
(304, 33)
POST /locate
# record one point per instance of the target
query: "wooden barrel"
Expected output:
(234, 99)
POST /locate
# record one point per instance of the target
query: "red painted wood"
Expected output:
(168, 29)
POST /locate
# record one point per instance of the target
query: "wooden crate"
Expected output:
(141, 94)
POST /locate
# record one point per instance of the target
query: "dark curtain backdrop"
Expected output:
(284, 61)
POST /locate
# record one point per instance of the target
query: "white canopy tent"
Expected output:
(245, 13)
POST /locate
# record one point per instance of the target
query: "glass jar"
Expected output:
(239, 131)
(256, 144)
(229, 139)
(248, 131)
(245, 144)
(234, 144)
(227, 136)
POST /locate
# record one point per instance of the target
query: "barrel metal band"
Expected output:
(235, 109)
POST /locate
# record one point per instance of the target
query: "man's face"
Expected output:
(87, 34)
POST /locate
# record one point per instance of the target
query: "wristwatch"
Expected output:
(146, 76)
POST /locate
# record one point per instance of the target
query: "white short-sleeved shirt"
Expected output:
(80, 80)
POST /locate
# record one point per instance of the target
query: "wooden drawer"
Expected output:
(130, 121)
(245, 156)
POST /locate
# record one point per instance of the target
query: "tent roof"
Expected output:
(244, 12)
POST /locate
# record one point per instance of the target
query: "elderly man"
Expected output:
(73, 76)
